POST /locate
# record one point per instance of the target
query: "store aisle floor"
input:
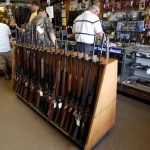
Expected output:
(23, 129)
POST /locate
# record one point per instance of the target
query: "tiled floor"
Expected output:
(23, 129)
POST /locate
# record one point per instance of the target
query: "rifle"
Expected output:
(66, 104)
(81, 107)
(61, 99)
(68, 107)
(79, 114)
(35, 87)
(76, 105)
(17, 80)
(89, 108)
(46, 84)
(31, 69)
(22, 84)
(54, 95)
(26, 85)
(50, 70)
(49, 79)
(39, 102)
(87, 113)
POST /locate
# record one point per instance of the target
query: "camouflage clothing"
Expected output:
(46, 27)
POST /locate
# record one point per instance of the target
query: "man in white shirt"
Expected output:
(5, 49)
(85, 28)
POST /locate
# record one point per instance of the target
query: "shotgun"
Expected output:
(63, 87)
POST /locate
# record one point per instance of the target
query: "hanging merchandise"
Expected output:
(64, 22)
(141, 4)
(140, 26)
(118, 4)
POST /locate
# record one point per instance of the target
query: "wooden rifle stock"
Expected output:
(66, 104)
(71, 104)
(61, 99)
(83, 103)
(53, 104)
(76, 105)
(89, 108)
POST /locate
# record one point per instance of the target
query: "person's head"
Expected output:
(34, 6)
(43, 4)
(95, 9)
(42, 13)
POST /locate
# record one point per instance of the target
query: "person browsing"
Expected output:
(44, 27)
(85, 28)
(5, 49)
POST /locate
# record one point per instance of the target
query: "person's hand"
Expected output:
(112, 45)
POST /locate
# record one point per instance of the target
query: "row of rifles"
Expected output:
(60, 84)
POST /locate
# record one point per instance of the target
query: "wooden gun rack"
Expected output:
(104, 113)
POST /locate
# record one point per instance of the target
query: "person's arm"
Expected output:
(98, 27)
(99, 31)
(50, 31)
(53, 38)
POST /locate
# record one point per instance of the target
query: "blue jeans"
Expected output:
(83, 47)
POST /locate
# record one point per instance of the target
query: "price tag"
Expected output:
(40, 30)
(75, 112)
(41, 93)
(26, 84)
(148, 71)
(66, 107)
(78, 122)
(55, 104)
(60, 105)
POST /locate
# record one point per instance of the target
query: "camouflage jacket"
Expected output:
(44, 28)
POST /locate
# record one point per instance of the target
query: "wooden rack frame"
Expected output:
(104, 114)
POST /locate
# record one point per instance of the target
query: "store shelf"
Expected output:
(138, 86)
(136, 92)
(132, 68)
(143, 57)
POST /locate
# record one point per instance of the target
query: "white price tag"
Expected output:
(78, 122)
(41, 93)
(55, 104)
(60, 105)
(148, 71)
(26, 84)
(40, 30)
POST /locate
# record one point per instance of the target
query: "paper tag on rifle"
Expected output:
(55, 104)
(66, 107)
(26, 84)
(41, 93)
(60, 105)
(78, 122)
(148, 71)
(40, 30)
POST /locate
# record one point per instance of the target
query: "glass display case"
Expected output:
(136, 71)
